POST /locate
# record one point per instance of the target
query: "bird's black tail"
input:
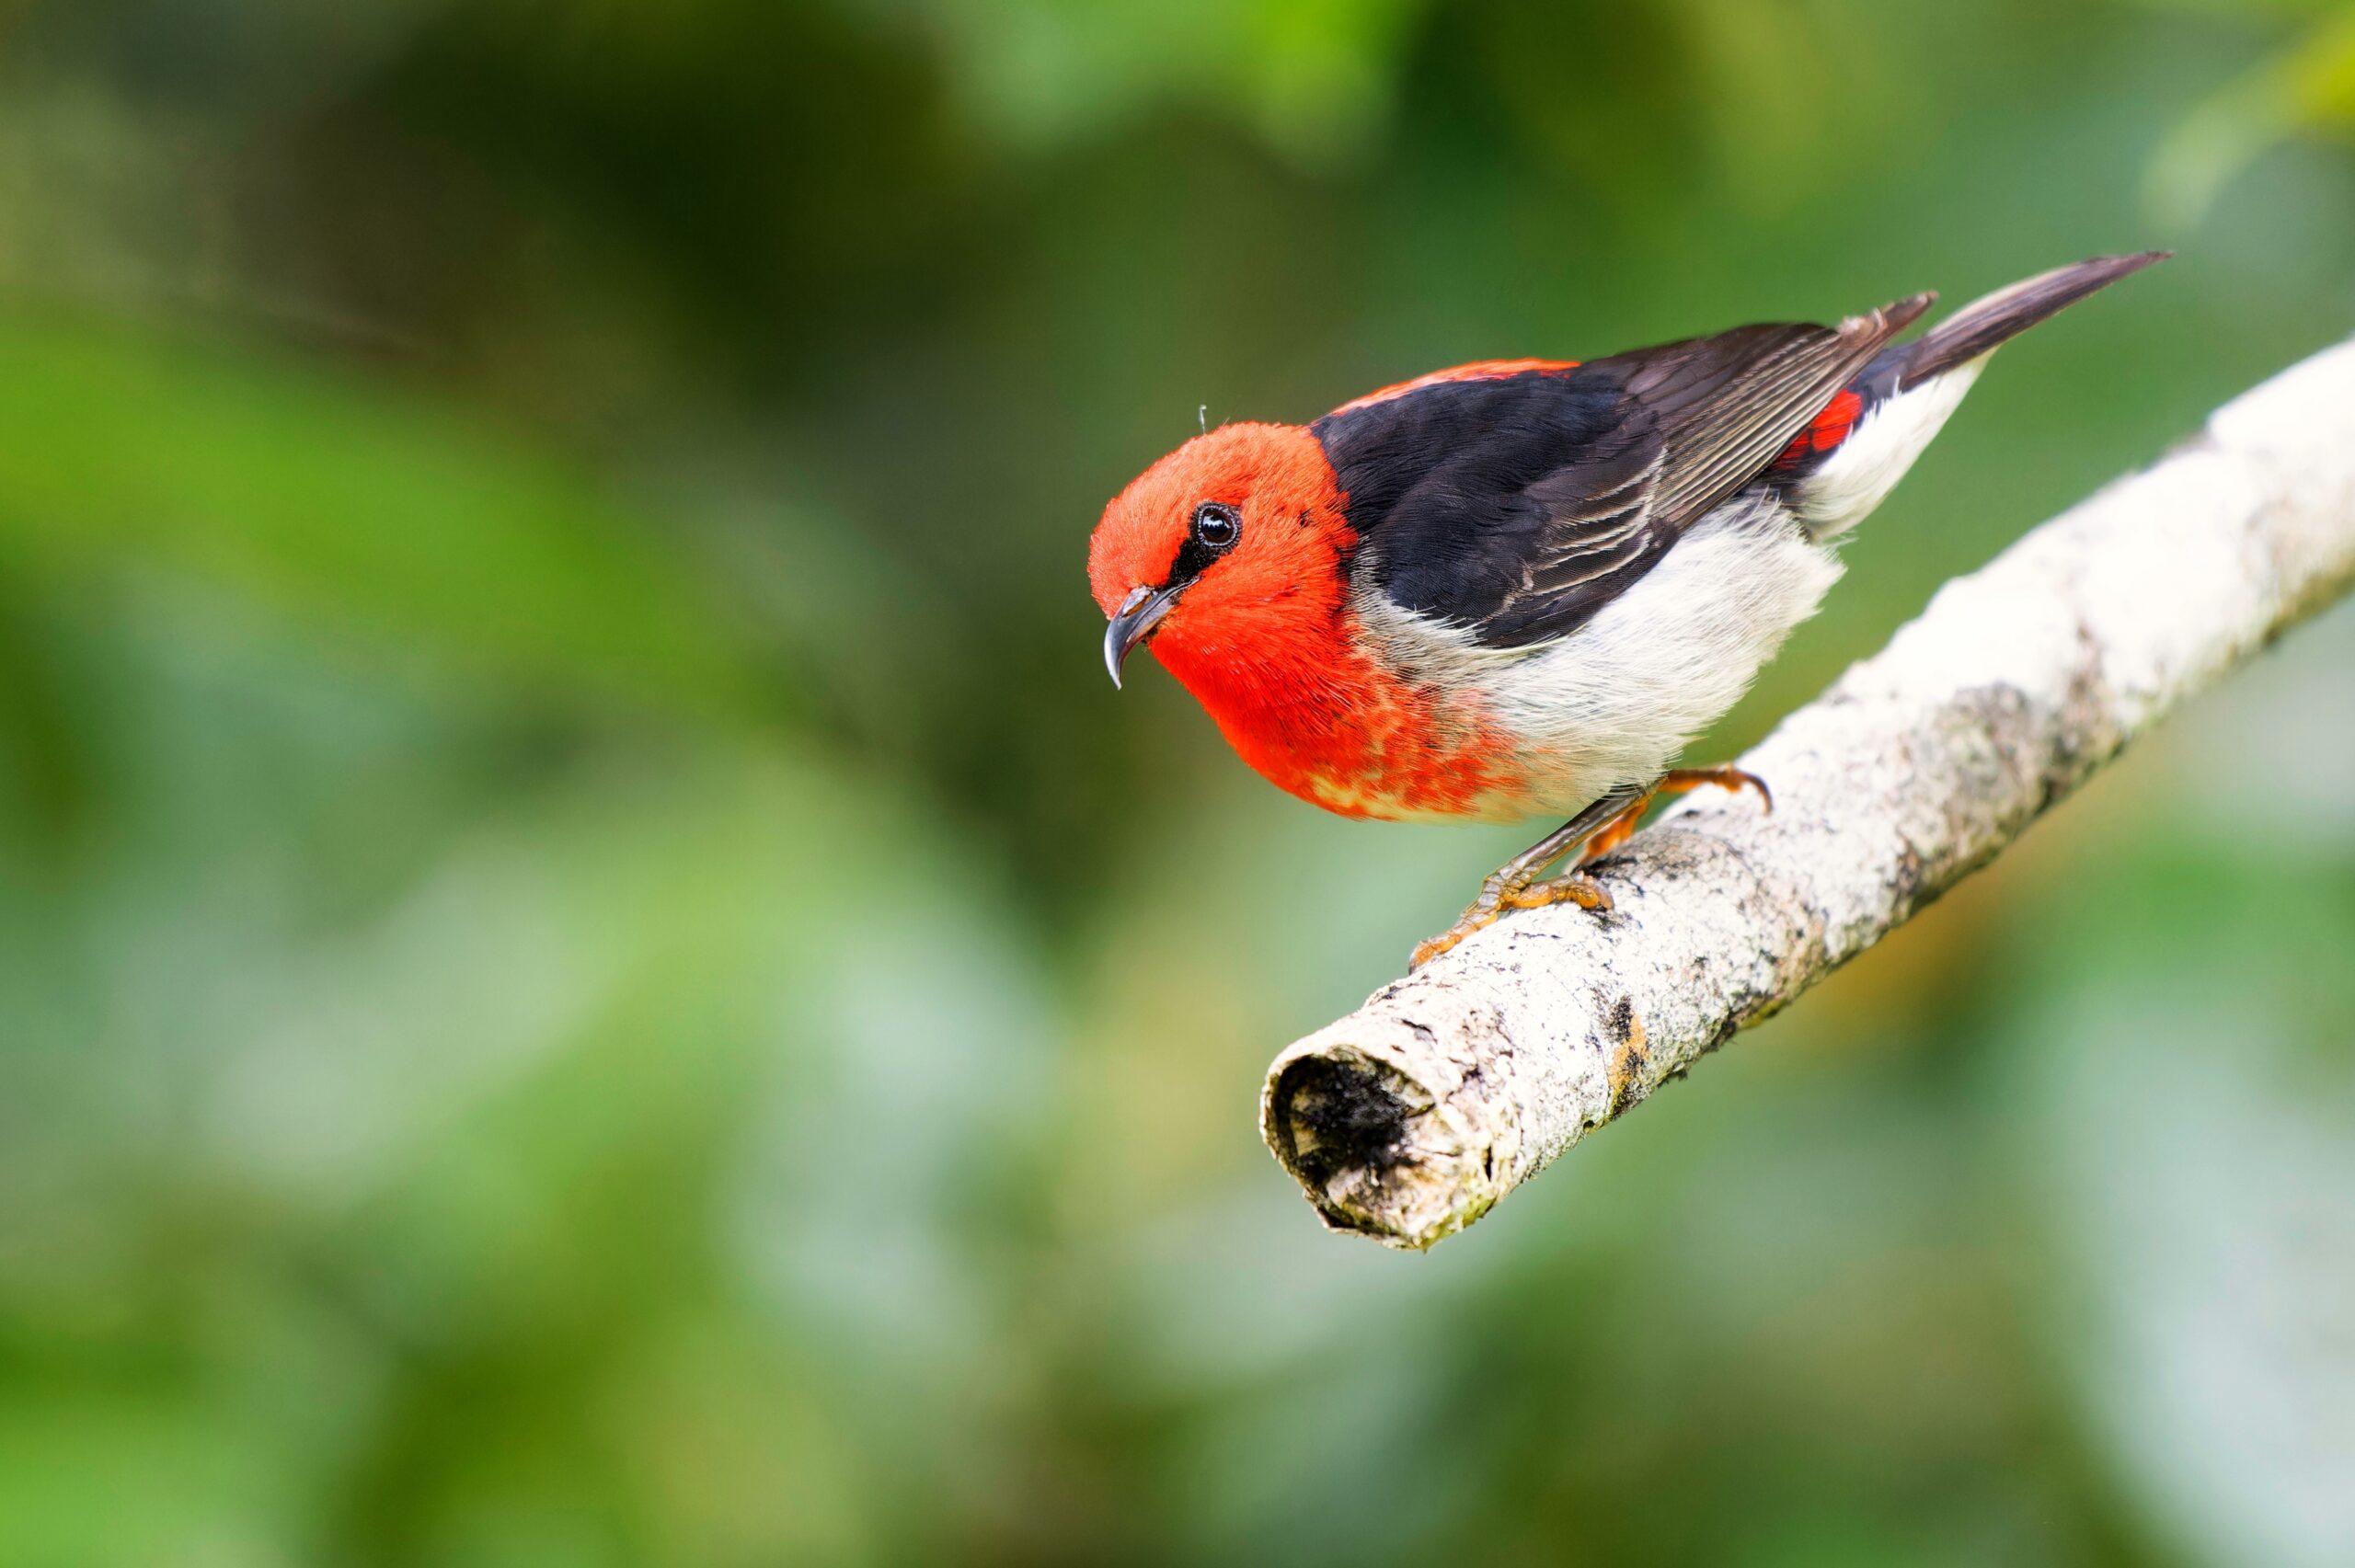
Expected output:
(1979, 326)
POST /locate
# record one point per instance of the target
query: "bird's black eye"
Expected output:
(1216, 527)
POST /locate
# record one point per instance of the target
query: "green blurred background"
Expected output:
(590, 972)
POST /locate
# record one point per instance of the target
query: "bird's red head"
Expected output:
(1228, 554)
(1232, 555)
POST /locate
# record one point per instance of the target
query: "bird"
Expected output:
(1517, 588)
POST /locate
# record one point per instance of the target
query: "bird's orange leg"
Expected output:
(1676, 781)
(1594, 832)
(1619, 830)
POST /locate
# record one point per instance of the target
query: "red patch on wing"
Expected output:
(1478, 369)
(1826, 430)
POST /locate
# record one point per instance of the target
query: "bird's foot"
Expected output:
(1679, 781)
(1500, 893)
(1592, 833)
(1570, 887)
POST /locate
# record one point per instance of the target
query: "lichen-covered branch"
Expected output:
(1448, 1089)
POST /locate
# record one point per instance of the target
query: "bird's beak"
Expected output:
(1139, 614)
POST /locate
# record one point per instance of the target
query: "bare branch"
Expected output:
(1408, 1118)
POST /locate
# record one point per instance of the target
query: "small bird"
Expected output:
(1518, 586)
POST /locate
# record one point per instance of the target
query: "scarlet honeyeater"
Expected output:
(1517, 588)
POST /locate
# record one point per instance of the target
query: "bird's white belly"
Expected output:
(1615, 701)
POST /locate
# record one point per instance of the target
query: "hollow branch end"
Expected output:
(1378, 1151)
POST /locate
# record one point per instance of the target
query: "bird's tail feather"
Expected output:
(1978, 327)
(1898, 402)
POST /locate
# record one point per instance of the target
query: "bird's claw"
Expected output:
(1570, 887)
(1431, 947)
(1594, 832)
(1733, 780)
(1495, 898)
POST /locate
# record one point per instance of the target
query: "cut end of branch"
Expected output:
(1375, 1150)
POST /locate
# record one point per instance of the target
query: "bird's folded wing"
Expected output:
(1517, 511)
(1725, 406)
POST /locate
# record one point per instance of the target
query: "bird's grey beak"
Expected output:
(1139, 614)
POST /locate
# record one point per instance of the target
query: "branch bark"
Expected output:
(1410, 1118)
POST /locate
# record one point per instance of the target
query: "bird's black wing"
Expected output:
(1518, 505)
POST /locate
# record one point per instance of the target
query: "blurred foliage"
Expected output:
(1311, 77)
(2309, 87)
(591, 974)
(370, 513)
